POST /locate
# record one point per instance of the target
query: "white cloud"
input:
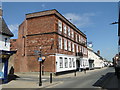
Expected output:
(14, 29)
(80, 20)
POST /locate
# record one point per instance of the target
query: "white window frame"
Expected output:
(66, 62)
(59, 26)
(68, 31)
(65, 44)
(65, 29)
(61, 62)
(70, 63)
(72, 34)
(69, 45)
(60, 42)
(76, 38)
(76, 48)
(73, 62)
(73, 47)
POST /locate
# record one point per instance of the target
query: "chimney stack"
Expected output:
(98, 52)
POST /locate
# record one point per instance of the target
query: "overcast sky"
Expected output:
(92, 18)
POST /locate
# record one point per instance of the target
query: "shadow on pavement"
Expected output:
(11, 75)
(108, 82)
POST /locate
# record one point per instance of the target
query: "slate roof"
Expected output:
(4, 28)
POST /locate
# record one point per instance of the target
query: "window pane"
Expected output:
(70, 63)
(66, 63)
(65, 31)
(60, 25)
(60, 42)
(61, 62)
(73, 62)
(65, 44)
(68, 31)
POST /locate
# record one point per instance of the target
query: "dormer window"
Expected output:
(5, 41)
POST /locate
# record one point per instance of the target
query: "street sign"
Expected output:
(36, 52)
(39, 59)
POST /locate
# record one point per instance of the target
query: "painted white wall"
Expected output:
(73, 59)
(98, 63)
(2, 43)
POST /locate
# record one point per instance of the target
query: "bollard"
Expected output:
(50, 77)
(75, 73)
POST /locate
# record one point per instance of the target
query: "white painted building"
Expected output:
(5, 35)
(91, 58)
(98, 61)
(65, 62)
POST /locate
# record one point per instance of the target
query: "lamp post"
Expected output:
(40, 60)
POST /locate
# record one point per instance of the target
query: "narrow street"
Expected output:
(88, 80)
(104, 78)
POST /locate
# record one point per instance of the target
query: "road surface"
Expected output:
(89, 80)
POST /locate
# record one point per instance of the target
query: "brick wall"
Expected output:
(13, 44)
(35, 33)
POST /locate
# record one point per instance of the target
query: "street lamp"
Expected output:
(40, 60)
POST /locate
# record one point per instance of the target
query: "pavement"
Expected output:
(31, 80)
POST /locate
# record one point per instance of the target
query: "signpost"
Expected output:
(40, 80)
(40, 61)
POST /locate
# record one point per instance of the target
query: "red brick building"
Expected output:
(60, 41)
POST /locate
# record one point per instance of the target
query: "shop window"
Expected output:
(61, 62)
(70, 63)
(73, 48)
(66, 63)
(73, 62)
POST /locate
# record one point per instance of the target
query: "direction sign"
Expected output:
(36, 52)
(39, 59)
